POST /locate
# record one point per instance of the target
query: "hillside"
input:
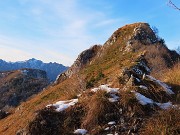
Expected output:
(18, 85)
(52, 69)
(130, 85)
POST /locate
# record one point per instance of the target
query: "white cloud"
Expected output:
(64, 28)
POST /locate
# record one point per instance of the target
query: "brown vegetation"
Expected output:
(165, 122)
(94, 111)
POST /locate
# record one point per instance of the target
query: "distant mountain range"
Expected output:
(52, 69)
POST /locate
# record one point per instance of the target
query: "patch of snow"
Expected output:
(95, 89)
(113, 98)
(107, 128)
(165, 86)
(111, 123)
(80, 131)
(105, 88)
(62, 105)
(112, 91)
(138, 80)
(142, 99)
(143, 87)
(164, 105)
(57, 77)
(24, 72)
(79, 95)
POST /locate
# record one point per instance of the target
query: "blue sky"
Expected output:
(58, 30)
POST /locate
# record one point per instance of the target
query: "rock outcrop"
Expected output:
(83, 59)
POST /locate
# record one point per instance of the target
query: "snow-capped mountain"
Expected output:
(52, 69)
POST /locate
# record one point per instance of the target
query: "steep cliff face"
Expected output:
(17, 86)
(110, 89)
(83, 59)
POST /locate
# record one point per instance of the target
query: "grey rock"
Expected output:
(83, 59)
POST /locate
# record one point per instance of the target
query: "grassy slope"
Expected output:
(110, 63)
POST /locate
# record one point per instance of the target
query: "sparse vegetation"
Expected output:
(97, 108)
(94, 110)
(94, 80)
(172, 77)
(166, 122)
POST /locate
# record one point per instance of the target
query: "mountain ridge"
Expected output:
(52, 69)
(117, 90)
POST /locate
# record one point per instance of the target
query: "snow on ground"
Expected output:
(107, 128)
(105, 88)
(113, 98)
(165, 86)
(80, 131)
(62, 105)
(143, 87)
(144, 101)
(164, 105)
(57, 78)
(112, 91)
(111, 123)
(24, 71)
(138, 80)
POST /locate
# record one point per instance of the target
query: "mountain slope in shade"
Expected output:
(18, 85)
(52, 69)
(116, 88)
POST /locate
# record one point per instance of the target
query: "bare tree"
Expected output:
(170, 3)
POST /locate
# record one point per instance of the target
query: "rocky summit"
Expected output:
(128, 86)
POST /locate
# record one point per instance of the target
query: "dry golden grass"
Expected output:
(97, 107)
(172, 77)
(25, 112)
(166, 122)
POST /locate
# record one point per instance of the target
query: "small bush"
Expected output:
(93, 80)
(90, 83)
